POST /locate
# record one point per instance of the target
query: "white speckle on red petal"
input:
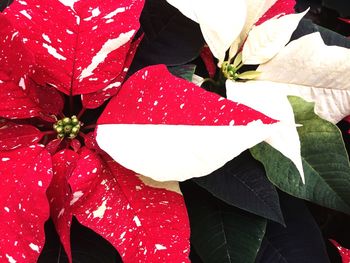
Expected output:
(155, 103)
(137, 187)
(137, 221)
(69, 32)
(52, 51)
(22, 84)
(5, 159)
(182, 106)
(108, 47)
(94, 27)
(112, 85)
(46, 37)
(117, 11)
(25, 40)
(99, 212)
(95, 12)
(122, 235)
(25, 13)
(76, 196)
(60, 213)
(7, 209)
(232, 123)
(13, 35)
(34, 247)
(109, 21)
(160, 247)
(69, 3)
(22, 2)
(40, 183)
(94, 170)
(10, 259)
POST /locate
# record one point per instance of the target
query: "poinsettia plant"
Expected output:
(174, 130)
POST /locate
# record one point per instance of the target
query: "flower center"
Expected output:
(67, 127)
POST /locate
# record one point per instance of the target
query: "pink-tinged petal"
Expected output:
(281, 7)
(60, 35)
(14, 135)
(24, 177)
(344, 252)
(144, 224)
(167, 128)
(96, 99)
(208, 60)
(59, 195)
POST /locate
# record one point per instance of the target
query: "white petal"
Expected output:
(221, 21)
(319, 73)
(177, 152)
(255, 9)
(271, 99)
(266, 40)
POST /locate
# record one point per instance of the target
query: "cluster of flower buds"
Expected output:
(67, 127)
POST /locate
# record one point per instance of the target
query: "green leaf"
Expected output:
(299, 241)
(325, 161)
(242, 183)
(219, 232)
(183, 71)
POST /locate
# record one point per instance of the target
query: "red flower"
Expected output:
(47, 57)
(60, 60)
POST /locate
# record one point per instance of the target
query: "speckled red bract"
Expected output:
(154, 96)
(25, 174)
(77, 51)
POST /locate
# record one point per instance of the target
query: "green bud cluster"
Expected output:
(229, 71)
(67, 127)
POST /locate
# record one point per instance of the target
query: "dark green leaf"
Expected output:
(87, 246)
(4, 4)
(170, 37)
(242, 183)
(183, 71)
(300, 241)
(219, 232)
(341, 6)
(325, 161)
(329, 37)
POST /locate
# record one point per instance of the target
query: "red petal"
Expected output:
(154, 96)
(25, 175)
(281, 7)
(15, 103)
(14, 135)
(12, 52)
(78, 51)
(344, 252)
(59, 194)
(208, 60)
(145, 224)
(96, 99)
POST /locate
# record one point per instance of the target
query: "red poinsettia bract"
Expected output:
(51, 52)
